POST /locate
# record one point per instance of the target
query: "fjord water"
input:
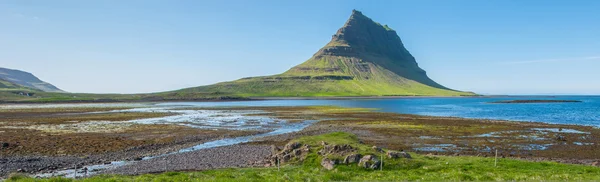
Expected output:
(586, 112)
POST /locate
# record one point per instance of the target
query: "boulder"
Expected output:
(352, 158)
(290, 152)
(597, 163)
(370, 162)
(291, 146)
(393, 155)
(328, 163)
(275, 149)
(405, 155)
(336, 149)
(377, 149)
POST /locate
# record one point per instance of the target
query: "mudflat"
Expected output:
(50, 140)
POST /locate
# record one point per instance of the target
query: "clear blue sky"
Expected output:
(129, 46)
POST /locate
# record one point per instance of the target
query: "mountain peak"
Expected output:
(363, 58)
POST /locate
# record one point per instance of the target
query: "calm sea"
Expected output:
(586, 112)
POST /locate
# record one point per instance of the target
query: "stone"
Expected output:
(377, 149)
(291, 146)
(336, 149)
(275, 149)
(369, 161)
(323, 143)
(393, 155)
(560, 138)
(286, 158)
(405, 155)
(352, 158)
(597, 163)
(328, 163)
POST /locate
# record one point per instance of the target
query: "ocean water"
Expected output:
(586, 112)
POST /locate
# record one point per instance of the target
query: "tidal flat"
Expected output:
(46, 140)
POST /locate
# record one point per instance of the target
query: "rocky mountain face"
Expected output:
(366, 45)
(363, 58)
(10, 78)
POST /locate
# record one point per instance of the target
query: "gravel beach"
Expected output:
(233, 156)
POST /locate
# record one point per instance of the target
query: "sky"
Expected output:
(140, 46)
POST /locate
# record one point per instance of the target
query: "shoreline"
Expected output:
(405, 121)
(100, 101)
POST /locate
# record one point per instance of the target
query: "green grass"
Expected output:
(369, 78)
(423, 168)
(11, 95)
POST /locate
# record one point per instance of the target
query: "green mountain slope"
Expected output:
(364, 58)
(24, 79)
(9, 85)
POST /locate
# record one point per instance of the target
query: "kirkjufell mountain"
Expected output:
(364, 58)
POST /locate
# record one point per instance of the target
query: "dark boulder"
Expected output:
(352, 158)
(370, 162)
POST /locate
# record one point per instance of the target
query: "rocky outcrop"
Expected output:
(332, 155)
(291, 151)
(336, 149)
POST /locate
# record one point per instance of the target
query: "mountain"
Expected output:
(16, 79)
(364, 58)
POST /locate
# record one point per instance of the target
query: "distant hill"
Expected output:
(364, 58)
(16, 79)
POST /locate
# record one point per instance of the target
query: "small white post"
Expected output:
(381, 165)
(496, 159)
(165, 163)
(75, 174)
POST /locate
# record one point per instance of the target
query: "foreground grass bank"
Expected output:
(420, 167)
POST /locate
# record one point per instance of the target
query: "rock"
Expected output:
(290, 146)
(352, 158)
(393, 155)
(405, 155)
(5, 145)
(377, 149)
(286, 158)
(296, 152)
(597, 163)
(290, 152)
(560, 138)
(369, 161)
(323, 143)
(336, 149)
(328, 163)
(275, 149)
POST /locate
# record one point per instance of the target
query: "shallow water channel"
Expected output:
(205, 119)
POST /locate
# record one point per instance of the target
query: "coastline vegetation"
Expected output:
(420, 167)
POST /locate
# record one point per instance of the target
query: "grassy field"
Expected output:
(420, 167)
(14, 96)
